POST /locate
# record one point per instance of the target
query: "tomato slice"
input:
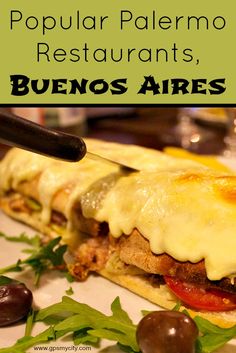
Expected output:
(197, 297)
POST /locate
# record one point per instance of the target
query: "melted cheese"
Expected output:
(59, 174)
(138, 157)
(183, 214)
(19, 165)
(182, 208)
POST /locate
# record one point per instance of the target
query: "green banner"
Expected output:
(117, 52)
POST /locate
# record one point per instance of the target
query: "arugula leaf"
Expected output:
(51, 251)
(209, 343)
(89, 326)
(75, 323)
(38, 266)
(119, 313)
(145, 312)
(67, 305)
(5, 280)
(23, 238)
(12, 268)
(41, 258)
(177, 306)
(125, 348)
(29, 323)
(69, 291)
(114, 335)
(198, 347)
(24, 343)
(117, 327)
(212, 336)
(83, 337)
(69, 277)
(206, 327)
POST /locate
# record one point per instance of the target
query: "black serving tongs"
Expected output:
(18, 132)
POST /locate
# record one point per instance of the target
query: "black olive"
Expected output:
(15, 302)
(167, 332)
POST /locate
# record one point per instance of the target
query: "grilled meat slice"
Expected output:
(135, 250)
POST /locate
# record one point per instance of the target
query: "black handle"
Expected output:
(19, 132)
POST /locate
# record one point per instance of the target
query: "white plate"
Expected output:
(95, 291)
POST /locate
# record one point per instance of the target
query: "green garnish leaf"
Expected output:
(209, 343)
(212, 336)
(198, 347)
(145, 312)
(125, 348)
(117, 336)
(119, 313)
(23, 238)
(41, 259)
(5, 280)
(89, 326)
(67, 305)
(177, 306)
(69, 291)
(69, 277)
(117, 327)
(206, 327)
(23, 344)
(12, 268)
(83, 337)
(29, 323)
(75, 323)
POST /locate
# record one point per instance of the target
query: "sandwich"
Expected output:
(166, 232)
